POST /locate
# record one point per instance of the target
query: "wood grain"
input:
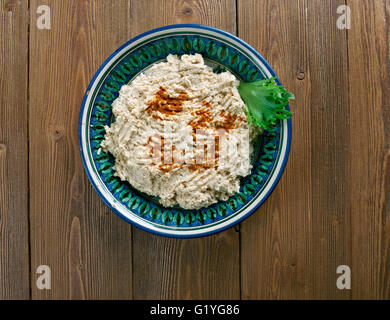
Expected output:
(369, 130)
(164, 268)
(14, 258)
(292, 246)
(86, 246)
(331, 189)
(331, 207)
(275, 247)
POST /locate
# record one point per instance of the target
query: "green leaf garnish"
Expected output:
(265, 101)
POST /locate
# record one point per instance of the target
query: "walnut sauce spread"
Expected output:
(181, 133)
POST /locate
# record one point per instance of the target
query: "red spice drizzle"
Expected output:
(203, 120)
(165, 104)
(229, 122)
(158, 151)
(203, 117)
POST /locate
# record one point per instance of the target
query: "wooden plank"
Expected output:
(87, 247)
(369, 130)
(292, 246)
(275, 250)
(14, 261)
(331, 206)
(164, 268)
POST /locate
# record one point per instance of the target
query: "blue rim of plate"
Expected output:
(129, 216)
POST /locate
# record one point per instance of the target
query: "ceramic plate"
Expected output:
(221, 50)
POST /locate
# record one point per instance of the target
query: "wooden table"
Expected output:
(331, 207)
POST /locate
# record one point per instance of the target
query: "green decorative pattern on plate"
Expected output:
(219, 54)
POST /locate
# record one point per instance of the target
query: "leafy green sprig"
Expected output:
(265, 101)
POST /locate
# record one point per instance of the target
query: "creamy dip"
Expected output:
(181, 133)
